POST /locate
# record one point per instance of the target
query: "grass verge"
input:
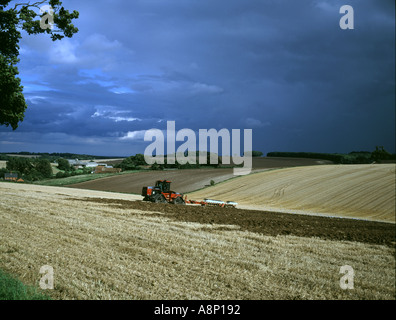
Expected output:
(14, 289)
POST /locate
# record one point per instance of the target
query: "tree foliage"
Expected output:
(354, 157)
(63, 164)
(15, 17)
(132, 162)
(380, 154)
(257, 154)
(30, 169)
(20, 164)
(43, 166)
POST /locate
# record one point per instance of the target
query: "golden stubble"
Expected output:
(357, 191)
(103, 252)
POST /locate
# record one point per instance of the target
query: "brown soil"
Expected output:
(269, 223)
(182, 180)
(188, 180)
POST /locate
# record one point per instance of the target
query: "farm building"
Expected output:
(94, 164)
(77, 164)
(99, 167)
(11, 176)
(107, 169)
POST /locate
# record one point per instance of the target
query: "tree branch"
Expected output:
(36, 4)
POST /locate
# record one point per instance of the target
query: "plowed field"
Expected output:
(182, 180)
(185, 180)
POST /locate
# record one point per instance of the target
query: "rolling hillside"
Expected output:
(359, 191)
(186, 180)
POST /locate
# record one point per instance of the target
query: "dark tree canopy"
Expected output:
(380, 154)
(257, 154)
(63, 164)
(32, 169)
(15, 17)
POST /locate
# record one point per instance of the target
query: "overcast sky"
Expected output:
(283, 68)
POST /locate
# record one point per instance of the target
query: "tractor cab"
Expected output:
(163, 185)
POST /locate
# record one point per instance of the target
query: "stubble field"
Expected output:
(355, 191)
(107, 246)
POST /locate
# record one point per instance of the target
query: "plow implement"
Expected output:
(213, 203)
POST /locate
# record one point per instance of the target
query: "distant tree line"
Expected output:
(257, 154)
(354, 157)
(137, 162)
(34, 169)
(52, 157)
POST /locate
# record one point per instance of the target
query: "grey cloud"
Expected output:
(284, 68)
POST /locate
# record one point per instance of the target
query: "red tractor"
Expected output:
(161, 193)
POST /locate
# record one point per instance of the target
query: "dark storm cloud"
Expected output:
(283, 68)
